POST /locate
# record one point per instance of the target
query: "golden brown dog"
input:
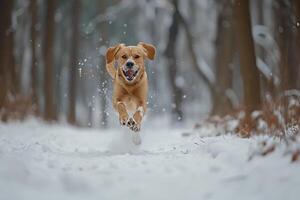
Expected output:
(130, 81)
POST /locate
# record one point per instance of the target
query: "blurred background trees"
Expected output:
(73, 61)
(214, 58)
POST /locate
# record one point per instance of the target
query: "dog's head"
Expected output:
(130, 59)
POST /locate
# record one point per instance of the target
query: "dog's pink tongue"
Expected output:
(130, 73)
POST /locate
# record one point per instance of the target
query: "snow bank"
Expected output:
(40, 161)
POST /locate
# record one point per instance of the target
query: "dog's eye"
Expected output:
(124, 57)
(136, 56)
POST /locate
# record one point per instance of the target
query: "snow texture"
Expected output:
(40, 161)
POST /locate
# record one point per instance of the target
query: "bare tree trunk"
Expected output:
(73, 61)
(50, 107)
(267, 85)
(14, 81)
(170, 53)
(245, 46)
(284, 39)
(5, 21)
(296, 43)
(33, 10)
(223, 59)
(8, 78)
(102, 72)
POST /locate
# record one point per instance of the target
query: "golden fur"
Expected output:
(129, 96)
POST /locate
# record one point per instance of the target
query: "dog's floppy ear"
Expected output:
(111, 52)
(149, 50)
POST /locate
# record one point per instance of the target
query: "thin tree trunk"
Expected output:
(245, 46)
(50, 107)
(296, 43)
(223, 59)
(267, 85)
(73, 62)
(284, 39)
(7, 65)
(170, 53)
(102, 72)
(33, 11)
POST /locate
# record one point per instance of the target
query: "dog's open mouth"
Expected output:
(130, 74)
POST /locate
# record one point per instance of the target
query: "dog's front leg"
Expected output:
(135, 122)
(123, 115)
(138, 115)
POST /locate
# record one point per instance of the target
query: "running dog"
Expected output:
(130, 82)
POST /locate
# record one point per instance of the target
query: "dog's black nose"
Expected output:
(129, 64)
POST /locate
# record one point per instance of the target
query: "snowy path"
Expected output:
(39, 161)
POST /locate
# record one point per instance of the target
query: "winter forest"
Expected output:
(223, 117)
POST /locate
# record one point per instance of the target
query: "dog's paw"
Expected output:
(133, 125)
(130, 122)
(123, 120)
(136, 128)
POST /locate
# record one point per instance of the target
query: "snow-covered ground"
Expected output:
(40, 161)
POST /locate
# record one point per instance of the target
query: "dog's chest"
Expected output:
(130, 103)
